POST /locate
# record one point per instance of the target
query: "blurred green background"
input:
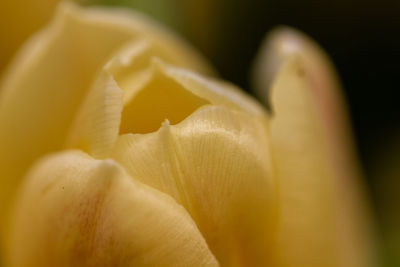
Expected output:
(363, 39)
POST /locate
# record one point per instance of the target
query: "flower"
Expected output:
(120, 147)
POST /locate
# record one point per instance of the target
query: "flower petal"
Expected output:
(98, 123)
(77, 211)
(44, 89)
(214, 161)
(323, 218)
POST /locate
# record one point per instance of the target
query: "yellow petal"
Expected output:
(77, 211)
(211, 154)
(323, 217)
(212, 91)
(97, 125)
(45, 87)
(285, 43)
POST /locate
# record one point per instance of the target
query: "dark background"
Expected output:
(363, 39)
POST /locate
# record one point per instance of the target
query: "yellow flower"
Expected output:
(118, 147)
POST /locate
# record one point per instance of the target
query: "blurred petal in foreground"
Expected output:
(77, 211)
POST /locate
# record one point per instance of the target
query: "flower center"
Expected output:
(161, 98)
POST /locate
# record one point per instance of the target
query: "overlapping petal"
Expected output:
(210, 148)
(198, 168)
(77, 211)
(46, 86)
